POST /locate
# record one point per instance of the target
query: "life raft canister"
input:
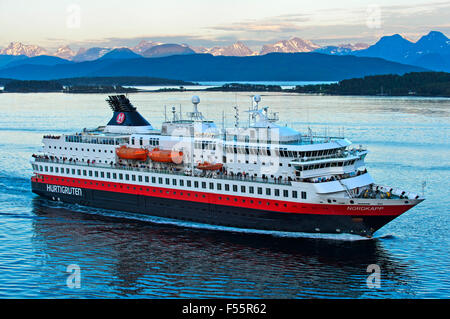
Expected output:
(209, 167)
(166, 156)
(131, 153)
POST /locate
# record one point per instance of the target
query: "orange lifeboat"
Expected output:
(166, 156)
(131, 153)
(209, 167)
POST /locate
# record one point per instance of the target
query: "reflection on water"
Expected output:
(136, 258)
(408, 143)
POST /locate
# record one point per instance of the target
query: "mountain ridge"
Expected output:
(206, 67)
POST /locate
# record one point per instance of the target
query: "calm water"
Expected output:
(135, 257)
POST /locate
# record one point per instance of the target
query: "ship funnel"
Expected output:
(126, 118)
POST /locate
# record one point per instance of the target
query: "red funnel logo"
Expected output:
(120, 118)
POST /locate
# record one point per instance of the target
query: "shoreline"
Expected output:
(237, 91)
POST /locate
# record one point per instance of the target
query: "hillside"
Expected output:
(205, 67)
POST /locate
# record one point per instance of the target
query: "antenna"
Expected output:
(256, 99)
(195, 114)
(174, 114)
(236, 117)
(223, 121)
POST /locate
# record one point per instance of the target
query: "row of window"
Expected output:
(94, 140)
(229, 160)
(151, 141)
(172, 181)
(82, 149)
(324, 165)
(267, 151)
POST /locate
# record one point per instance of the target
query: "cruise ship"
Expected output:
(256, 175)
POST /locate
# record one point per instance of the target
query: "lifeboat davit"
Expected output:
(131, 153)
(209, 167)
(166, 156)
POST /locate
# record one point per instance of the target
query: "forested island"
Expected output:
(432, 84)
(98, 89)
(86, 85)
(122, 81)
(16, 86)
(416, 83)
(238, 87)
(55, 86)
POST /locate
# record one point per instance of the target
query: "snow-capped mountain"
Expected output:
(144, 46)
(236, 49)
(17, 48)
(90, 54)
(393, 48)
(64, 52)
(342, 49)
(164, 50)
(290, 46)
(431, 51)
(433, 42)
(121, 53)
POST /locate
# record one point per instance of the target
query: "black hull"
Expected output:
(220, 215)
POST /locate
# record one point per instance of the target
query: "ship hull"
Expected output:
(306, 221)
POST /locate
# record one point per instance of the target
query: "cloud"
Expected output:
(325, 26)
(337, 25)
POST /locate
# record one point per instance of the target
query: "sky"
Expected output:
(115, 23)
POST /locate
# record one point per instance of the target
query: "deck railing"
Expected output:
(172, 171)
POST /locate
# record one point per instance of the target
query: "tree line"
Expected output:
(415, 83)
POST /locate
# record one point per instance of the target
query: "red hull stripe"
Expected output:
(227, 200)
